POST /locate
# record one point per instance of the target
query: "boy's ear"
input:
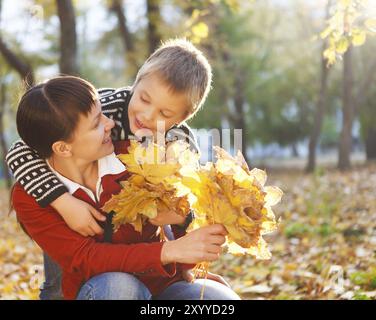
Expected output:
(62, 149)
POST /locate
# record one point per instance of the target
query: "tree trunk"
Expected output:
(348, 112)
(154, 21)
(68, 38)
(23, 68)
(239, 117)
(320, 107)
(117, 8)
(126, 36)
(370, 143)
(319, 116)
(3, 145)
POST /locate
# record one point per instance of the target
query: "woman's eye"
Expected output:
(163, 114)
(144, 100)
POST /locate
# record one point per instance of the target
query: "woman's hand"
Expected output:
(79, 215)
(200, 245)
(167, 216)
(188, 276)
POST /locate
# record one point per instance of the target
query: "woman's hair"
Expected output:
(49, 112)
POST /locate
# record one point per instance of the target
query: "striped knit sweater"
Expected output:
(33, 173)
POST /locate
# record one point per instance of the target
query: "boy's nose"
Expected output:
(148, 115)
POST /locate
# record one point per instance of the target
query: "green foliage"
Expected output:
(365, 279)
(325, 229)
(330, 134)
(361, 296)
(296, 229)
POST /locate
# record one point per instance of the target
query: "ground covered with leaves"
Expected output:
(324, 247)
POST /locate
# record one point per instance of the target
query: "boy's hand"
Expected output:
(166, 216)
(188, 276)
(79, 215)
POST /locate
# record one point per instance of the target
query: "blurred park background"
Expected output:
(297, 76)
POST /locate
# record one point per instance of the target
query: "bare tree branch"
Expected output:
(118, 9)
(22, 67)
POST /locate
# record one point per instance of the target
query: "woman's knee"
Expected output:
(114, 286)
(183, 290)
(213, 290)
(217, 291)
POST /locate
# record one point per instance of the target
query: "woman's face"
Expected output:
(153, 103)
(92, 138)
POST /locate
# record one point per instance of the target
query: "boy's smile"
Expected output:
(139, 124)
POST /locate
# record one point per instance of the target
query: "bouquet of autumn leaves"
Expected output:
(227, 192)
(154, 170)
(224, 192)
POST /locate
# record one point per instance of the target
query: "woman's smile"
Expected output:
(107, 140)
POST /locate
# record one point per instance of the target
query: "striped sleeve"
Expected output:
(33, 174)
(104, 91)
(114, 103)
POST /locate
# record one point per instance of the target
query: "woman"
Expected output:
(61, 119)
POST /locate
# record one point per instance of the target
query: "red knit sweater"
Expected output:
(81, 258)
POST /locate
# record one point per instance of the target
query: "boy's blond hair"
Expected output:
(184, 68)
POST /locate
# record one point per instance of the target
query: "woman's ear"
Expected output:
(62, 149)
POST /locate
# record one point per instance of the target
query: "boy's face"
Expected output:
(153, 102)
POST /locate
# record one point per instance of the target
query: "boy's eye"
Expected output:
(144, 100)
(164, 115)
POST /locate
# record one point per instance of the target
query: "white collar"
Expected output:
(107, 165)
